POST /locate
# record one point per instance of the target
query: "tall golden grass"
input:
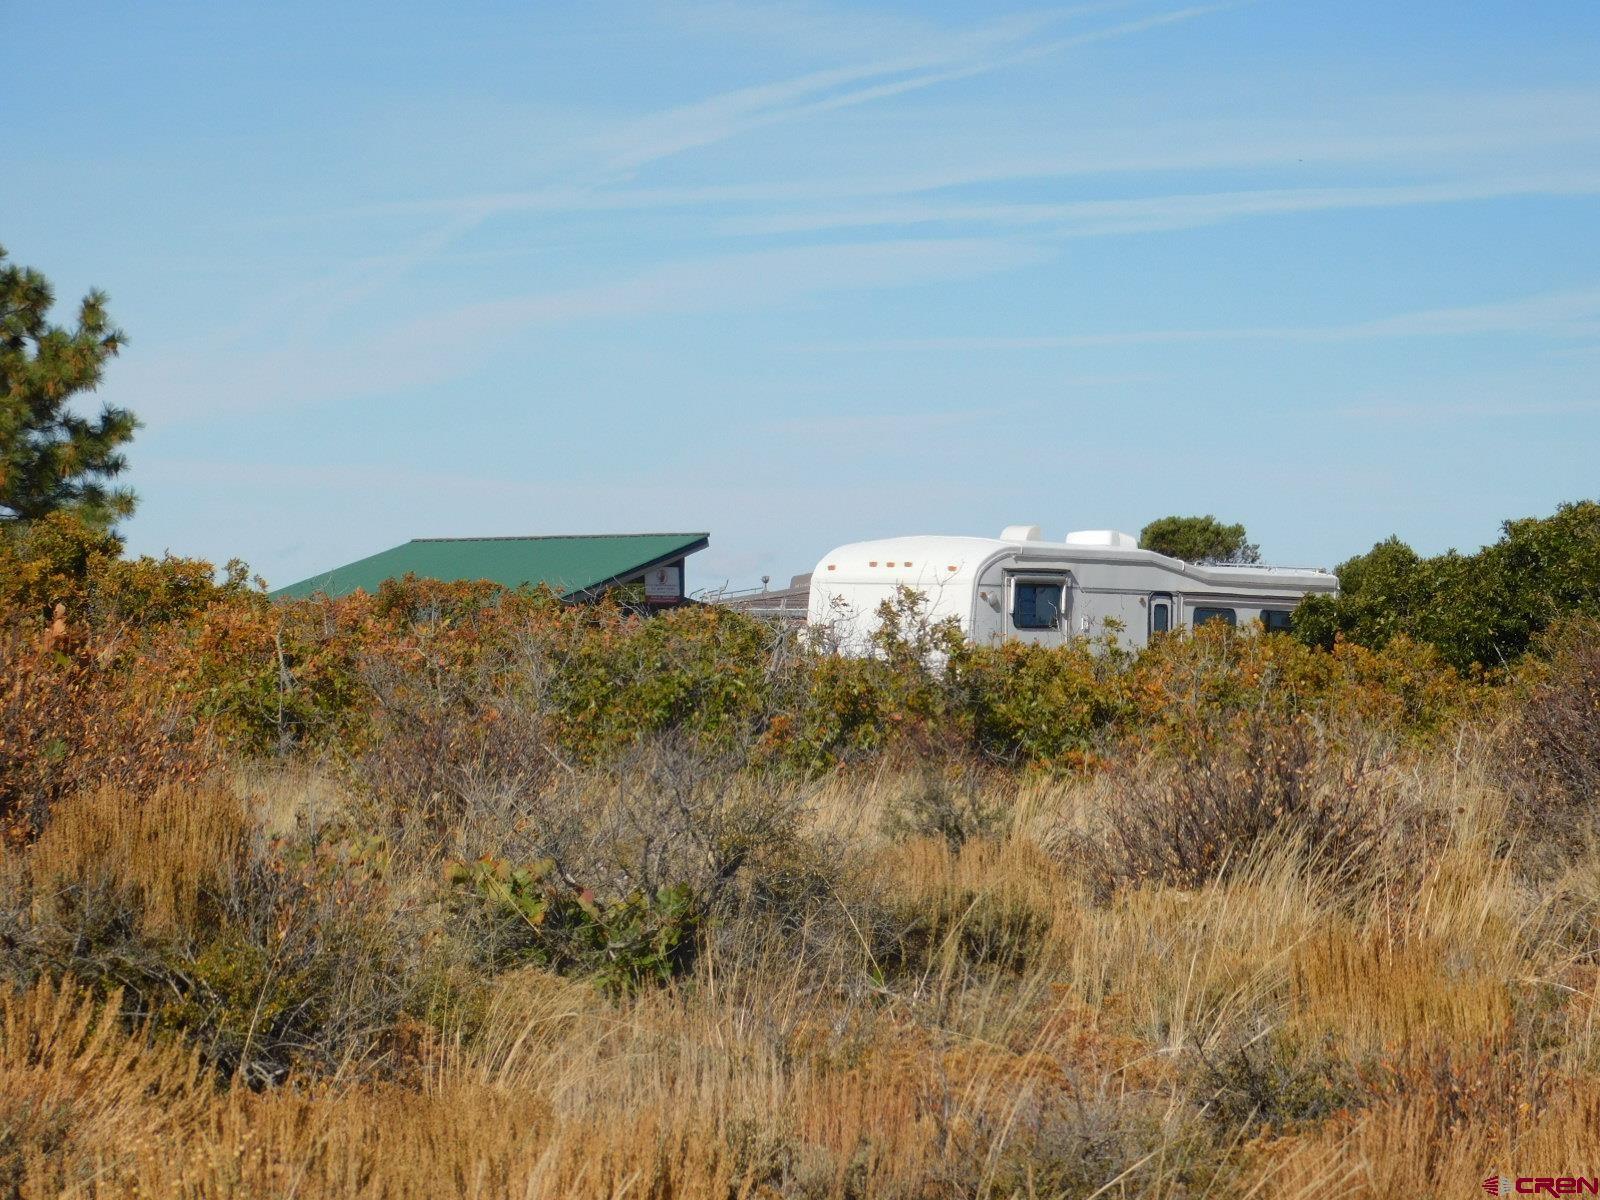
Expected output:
(1279, 1031)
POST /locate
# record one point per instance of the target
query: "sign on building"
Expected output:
(663, 585)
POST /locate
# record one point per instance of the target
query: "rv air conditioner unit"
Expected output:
(1021, 533)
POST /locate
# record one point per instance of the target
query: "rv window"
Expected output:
(1160, 617)
(1036, 605)
(1275, 619)
(1225, 615)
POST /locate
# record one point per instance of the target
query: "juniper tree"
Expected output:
(52, 457)
(1199, 539)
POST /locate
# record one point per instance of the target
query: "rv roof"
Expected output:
(927, 557)
(1264, 569)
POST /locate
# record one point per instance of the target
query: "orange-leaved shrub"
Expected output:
(81, 710)
(441, 664)
(60, 566)
(1406, 689)
(1551, 739)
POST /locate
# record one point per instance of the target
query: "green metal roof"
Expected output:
(569, 564)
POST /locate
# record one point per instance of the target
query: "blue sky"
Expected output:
(801, 274)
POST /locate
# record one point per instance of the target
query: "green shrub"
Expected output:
(1047, 705)
(532, 916)
(1481, 609)
(59, 559)
(1271, 1086)
(834, 709)
(953, 806)
(608, 677)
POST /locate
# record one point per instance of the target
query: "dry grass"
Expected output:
(159, 857)
(928, 1016)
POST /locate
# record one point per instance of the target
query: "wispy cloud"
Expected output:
(1564, 314)
(1543, 387)
(793, 26)
(802, 26)
(763, 278)
(425, 350)
(1453, 138)
(933, 57)
(931, 60)
(1147, 214)
(974, 52)
(727, 114)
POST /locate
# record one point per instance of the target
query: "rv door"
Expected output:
(1161, 610)
(1036, 607)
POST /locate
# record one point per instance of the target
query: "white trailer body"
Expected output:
(1018, 587)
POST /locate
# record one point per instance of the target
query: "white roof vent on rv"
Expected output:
(1021, 533)
(1109, 538)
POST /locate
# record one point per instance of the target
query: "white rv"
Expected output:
(1019, 587)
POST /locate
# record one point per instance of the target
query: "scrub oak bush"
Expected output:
(897, 697)
(612, 676)
(1050, 705)
(1257, 783)
(273, 681)
(1552, 737)
(430, 679)
(1483, 609)
(59, 559)
(1180, 685)
(79, 714)
(445, 737)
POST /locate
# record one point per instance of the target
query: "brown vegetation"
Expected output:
(262, 990)
(509, 898)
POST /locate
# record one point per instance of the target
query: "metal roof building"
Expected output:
(574, 566)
